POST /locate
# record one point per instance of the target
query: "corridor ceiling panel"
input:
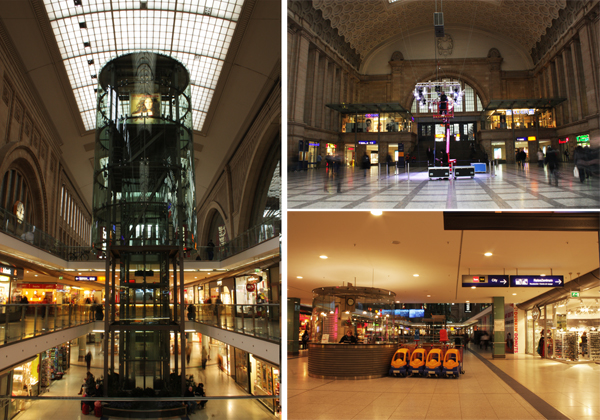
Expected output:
(366, 24)
(91, 32)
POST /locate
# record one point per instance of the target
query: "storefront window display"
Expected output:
(385, 122)
(223, 290)
(502, 119)
(25, 382)
(42, 293)
(265, 381)
(4, 289)
(575, 329)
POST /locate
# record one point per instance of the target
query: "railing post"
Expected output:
(23, 313)
(243, 321)
(408, 170)
(6, 314)
(35, 320)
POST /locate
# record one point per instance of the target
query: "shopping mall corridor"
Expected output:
(216, 383)
(511, 187)
(480, 393)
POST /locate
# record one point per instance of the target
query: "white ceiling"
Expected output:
(360, 250)
(249, 73)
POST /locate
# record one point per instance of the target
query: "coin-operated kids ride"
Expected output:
(452, 364)
(417, 362)
(399, 365)
(433, 365)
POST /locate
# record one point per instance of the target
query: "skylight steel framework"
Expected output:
(195, 32)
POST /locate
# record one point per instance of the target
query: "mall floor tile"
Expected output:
(510, 187)
(570, 391)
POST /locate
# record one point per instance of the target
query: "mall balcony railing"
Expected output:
(11, 225)
(20, 321)
(260, 320)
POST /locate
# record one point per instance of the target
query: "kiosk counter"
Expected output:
(349, 361)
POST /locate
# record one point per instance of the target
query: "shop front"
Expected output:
(522, 145)
(499, 150)
(222, 290)
(264, 380)
(567, 329)
(242, 371)
(382, 122)
(44, 293)
(583, 140)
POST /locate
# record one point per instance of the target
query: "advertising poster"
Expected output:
(143, 107)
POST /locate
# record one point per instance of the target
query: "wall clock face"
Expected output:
(350, 301)
(19, 211)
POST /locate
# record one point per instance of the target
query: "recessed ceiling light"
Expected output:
(415, 275)
(299, 277)
(467, 301)
(473, 287)
(79, 274)
(488, 254)
(428, 295)
(323, 257)
(542, 275)
(376, 212)
(514, 294)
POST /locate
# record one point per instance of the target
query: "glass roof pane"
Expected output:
(196, 32)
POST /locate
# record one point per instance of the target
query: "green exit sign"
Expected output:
(574, 294)
(60, 278)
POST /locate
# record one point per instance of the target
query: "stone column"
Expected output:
(293, 323)
(498, 319)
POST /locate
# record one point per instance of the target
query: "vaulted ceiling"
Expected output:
(367, 24)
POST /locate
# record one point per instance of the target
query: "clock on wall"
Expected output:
(19, 211)
(350, 301)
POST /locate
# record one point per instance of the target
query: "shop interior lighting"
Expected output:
(376, 212)
(198, 35)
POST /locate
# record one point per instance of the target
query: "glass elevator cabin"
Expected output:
(144, 217)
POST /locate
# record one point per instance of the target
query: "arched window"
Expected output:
(15, 195)
(217, 230)
(469, 103)
(267, 200)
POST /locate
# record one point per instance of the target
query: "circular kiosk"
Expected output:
(361, 310)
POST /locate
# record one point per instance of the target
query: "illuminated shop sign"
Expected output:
(583, 139)
(566, 140)
(371, 115)
(536, 281)
(521, 139)
(371, 142)
(9, 271)
(520, 111)
(440, 136)
(314, 144)
(531, 138)
(86, 278)
(331, 146)
(490, 280)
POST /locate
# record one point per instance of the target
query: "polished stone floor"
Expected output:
(216, 383)
(511, 187)
(573, 390)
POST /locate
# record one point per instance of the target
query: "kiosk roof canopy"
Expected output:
(367, 108)
(542, 103)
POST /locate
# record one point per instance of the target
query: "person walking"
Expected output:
(204, 357)
(540, 156)
(210, 249)
(365, 163)
(88, 360)
(552, 162)
(319, 159)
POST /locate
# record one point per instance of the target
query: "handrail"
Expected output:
(19, 321)
(26, 232)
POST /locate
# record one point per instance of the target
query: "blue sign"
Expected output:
(86, 278)
(521, 139)
(489, 280)
(314, 144)
(537, 281)
(367, 142)
(416, 313)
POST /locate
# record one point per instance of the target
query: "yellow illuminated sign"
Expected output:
(531, 138)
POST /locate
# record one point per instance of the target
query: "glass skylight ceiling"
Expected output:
(195, 32)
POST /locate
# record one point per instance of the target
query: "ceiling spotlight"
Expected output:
(323, 257)
(473, 287)
(467, 301)
(428, 295)
(514, 294)
(364, 312)
(299, 277)
(488, 254)
(542, 275)
(376, 212)
(415, 275)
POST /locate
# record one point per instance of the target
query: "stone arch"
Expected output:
(204, 224)
(409, 98)
(21, 157)
(269, 137)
